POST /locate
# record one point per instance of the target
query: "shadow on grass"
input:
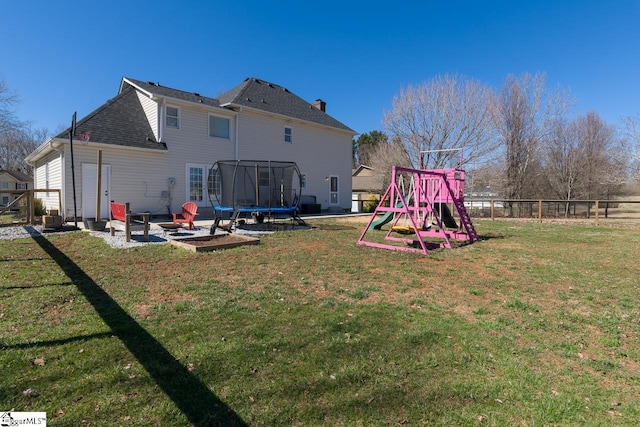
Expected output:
(56, 342)
(196, 401)
(39, 286)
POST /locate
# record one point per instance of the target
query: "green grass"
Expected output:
(536, 324)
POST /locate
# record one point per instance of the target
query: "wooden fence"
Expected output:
(22, 209)
(540, 209)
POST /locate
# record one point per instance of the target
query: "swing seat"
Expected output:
(402, 229)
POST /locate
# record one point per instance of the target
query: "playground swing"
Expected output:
(425, 209)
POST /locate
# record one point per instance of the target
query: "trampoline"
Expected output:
(260, 188)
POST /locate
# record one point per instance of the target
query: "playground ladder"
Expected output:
(465, 219)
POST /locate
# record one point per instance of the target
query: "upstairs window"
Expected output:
(218, 127)
(21, 186)
(288, 135)
(172, 119)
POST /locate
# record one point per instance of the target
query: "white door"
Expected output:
(196, 180)
(333, 190)
(89, 188)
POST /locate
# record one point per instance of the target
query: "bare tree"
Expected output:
(17, 144)
(604, 169)
(524, 117)
(8, 101)
(383, 157)
(17, 139)
(444, 113)
(631, 144)
(564, 160)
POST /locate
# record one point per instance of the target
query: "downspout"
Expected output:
(236, 137)
(161, 120)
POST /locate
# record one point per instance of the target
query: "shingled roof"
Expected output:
(17, 175)
(119, 121)
(269, 97)
(253, 93)
(157, 89)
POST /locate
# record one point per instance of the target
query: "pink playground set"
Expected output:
(417, 203)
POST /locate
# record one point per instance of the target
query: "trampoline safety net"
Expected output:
(254, 185)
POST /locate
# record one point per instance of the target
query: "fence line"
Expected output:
(548, 208)
(26, 205)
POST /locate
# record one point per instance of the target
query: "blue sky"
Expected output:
(66, 56)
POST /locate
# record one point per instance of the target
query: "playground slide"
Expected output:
(378, 223)
(447, 218)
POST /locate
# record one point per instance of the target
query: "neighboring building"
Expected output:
(158, 145)
(367, 186)
(11, 181)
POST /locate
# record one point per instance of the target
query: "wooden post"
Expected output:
(540, 211)
(127, 223)
(596, 213)
(492, 217)
(32, 207)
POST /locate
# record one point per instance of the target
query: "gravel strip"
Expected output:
(156, 236)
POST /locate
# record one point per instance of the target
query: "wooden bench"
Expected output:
(121, 218)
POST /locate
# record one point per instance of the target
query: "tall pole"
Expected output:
(73, 174)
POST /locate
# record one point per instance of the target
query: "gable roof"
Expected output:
(271, 98)
(119, 121)
(253, 93)
(18, 176)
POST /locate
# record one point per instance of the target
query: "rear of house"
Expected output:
(158, 144)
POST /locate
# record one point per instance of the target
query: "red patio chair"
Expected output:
(188, 214)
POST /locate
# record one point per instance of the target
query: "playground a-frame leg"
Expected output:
(418, 217)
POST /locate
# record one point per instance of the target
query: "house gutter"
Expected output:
(162, 103)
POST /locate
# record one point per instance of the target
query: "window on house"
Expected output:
(288, 135)
(5, 200)
(172, 119)
(5, 185)
(21, 186)
(218, 127)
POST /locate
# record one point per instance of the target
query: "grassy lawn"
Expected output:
(536, 324)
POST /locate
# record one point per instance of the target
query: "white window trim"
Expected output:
(166, 114)
(209, 127)
(290, 135)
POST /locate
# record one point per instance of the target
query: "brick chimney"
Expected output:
(320, 105)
